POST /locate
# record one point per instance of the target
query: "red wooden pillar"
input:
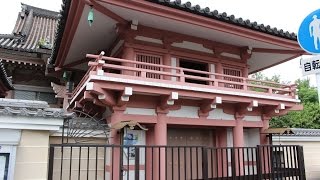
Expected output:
(128, 54)
(221, 154)
(264, 140)
(167, 62)
(238, 141)
(160, 136)
(265, 150)
(219, 70)
(115, 140)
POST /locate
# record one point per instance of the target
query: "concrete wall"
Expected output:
(32, 155)
(311, 154)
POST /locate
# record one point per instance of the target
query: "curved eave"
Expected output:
(231, 19)
(220, 23)
(195, 19)
(65, 7)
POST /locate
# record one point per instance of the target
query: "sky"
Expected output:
(284, 14)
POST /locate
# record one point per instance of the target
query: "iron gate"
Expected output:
(104, 162)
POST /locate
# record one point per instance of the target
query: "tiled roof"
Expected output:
(33, 25)
(184, 7)
(30, 108)
(4, 78)
(305, 132)
(231, 19)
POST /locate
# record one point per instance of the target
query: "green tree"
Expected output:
(306, 93)
(309, 117)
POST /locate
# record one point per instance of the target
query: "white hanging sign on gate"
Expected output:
(310, 65)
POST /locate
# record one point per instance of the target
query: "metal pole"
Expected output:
(318, 85)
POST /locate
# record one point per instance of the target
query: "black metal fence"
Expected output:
(111, 162)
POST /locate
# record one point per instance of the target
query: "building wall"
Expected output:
(311, 154)
(251, 137)
(97, 158)
(32, 155)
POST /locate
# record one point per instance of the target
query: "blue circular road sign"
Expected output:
(309, 33)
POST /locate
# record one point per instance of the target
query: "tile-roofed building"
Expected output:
(187, 7)
(25, 52)
(224, 17)
(305, 132)
(34, 30)
(310, 140)
(5, 81)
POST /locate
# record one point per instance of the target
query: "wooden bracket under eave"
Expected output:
(125, 96)
(208, 104)
(105, 96)
(168, 100)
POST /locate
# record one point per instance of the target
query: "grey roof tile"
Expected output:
(31, 27)
(231, 19)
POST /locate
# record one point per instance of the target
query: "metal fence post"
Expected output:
(136, 163)
(258, 161)
(302, 174)
(51, 159)
(233, 164)
(204, 163)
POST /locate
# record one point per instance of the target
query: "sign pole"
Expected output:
(318, 85)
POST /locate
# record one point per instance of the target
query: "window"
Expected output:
(4, 165)
(193, 65)
(232, 72)
(34, 95)
(151, 59)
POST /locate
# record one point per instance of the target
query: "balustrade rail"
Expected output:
(116, 67)
(112, 162)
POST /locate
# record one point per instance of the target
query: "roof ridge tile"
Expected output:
(187, 6)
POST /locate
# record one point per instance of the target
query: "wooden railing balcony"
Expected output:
(123, 68)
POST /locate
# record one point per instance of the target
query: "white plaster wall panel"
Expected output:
(231, 55)
(252, 118)
(192, 46)
(35, 123)
(147, 39)
(173, 71)
(229, 137)
(9, 136)
(219, 114)
(212, 70)
(254, 136)
(251, 137)
(140, 111)
(229, 144)
(246, 138)
(185, 111)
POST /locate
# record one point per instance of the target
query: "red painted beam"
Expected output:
(278, 51)
(73, 20)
